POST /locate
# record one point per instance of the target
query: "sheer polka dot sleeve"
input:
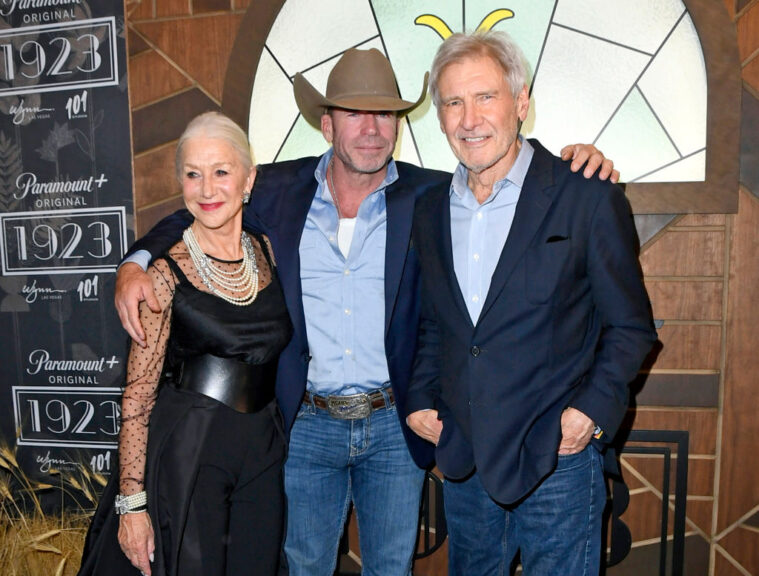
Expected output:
(143, 375)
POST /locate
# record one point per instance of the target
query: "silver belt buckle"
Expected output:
(351, 407)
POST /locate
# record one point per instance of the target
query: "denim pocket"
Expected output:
(569, 462)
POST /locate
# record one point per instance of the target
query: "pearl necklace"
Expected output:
(243, 280)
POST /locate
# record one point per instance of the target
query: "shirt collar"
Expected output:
(515, 176)
(321, 174)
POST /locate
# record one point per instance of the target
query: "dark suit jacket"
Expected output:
(281, 198)
(566, 322)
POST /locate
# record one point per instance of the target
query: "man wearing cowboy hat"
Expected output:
(340, 226)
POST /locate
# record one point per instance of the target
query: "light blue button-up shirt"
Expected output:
(479, 231)
(344, 298)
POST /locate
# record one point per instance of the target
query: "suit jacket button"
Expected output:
(475, 350)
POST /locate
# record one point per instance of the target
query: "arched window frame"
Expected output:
(718, 193)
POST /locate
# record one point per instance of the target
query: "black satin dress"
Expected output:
(213, 473)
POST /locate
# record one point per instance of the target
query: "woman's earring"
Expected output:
(246, 197)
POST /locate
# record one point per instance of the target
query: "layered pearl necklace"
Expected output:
(242, 282)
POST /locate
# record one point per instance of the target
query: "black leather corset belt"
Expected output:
(243, 387)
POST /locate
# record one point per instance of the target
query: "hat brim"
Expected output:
(312, 104)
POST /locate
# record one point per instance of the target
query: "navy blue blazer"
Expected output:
(280, 201)
(566, 322)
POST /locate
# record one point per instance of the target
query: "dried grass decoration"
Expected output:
(33, 543)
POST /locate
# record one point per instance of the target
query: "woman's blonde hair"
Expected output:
(215, 125)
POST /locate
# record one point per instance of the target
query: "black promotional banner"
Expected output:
(65, 223)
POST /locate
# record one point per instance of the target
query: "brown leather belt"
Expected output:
(352, 406)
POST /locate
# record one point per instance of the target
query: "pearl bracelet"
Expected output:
(137, 502)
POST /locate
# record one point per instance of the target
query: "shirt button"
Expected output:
(348, 351)
(475, 350)
(346, 272)
(479, 215)
(347, 311)
(475, 298)
(476, 257)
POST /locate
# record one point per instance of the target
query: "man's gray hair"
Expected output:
(497, 45)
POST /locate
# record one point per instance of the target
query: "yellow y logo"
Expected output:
(444, 31)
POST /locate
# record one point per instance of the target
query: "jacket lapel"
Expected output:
(441, 228)
(532, 207)
(399, 202)
(284, 225)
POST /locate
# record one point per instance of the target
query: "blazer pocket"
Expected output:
(544, 266)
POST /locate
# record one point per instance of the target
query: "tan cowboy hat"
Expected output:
(361, 80)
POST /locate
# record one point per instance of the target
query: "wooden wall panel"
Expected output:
(633, 482)
(202, 6)
(136, 45)
(739, 490)
(156, 78)
(685, 253)
(154, 176)
(434, 565)
(723, 567)
(165, 120)
(643, 516)
(748, 31)
(730, 5)
(700, 513)
(743, 545)
(702, 425)
(141, 9)
(149, 215)
(186, 41)
(751, 74)
(752, 520)
(693, 390)
(172, 8)
(739, 479)
(701, 220)
(643, 560)
(701, 476)
(689, 347)
(685, 300)
(700, 472)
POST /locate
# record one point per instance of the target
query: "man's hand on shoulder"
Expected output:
(425, 423)
(592, 158)
(133, 285)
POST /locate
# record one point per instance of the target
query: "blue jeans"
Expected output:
(557, 528)
(332, 462)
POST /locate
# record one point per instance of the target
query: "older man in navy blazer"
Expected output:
(534, 321)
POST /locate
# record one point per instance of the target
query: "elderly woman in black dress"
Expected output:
(201, 448)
